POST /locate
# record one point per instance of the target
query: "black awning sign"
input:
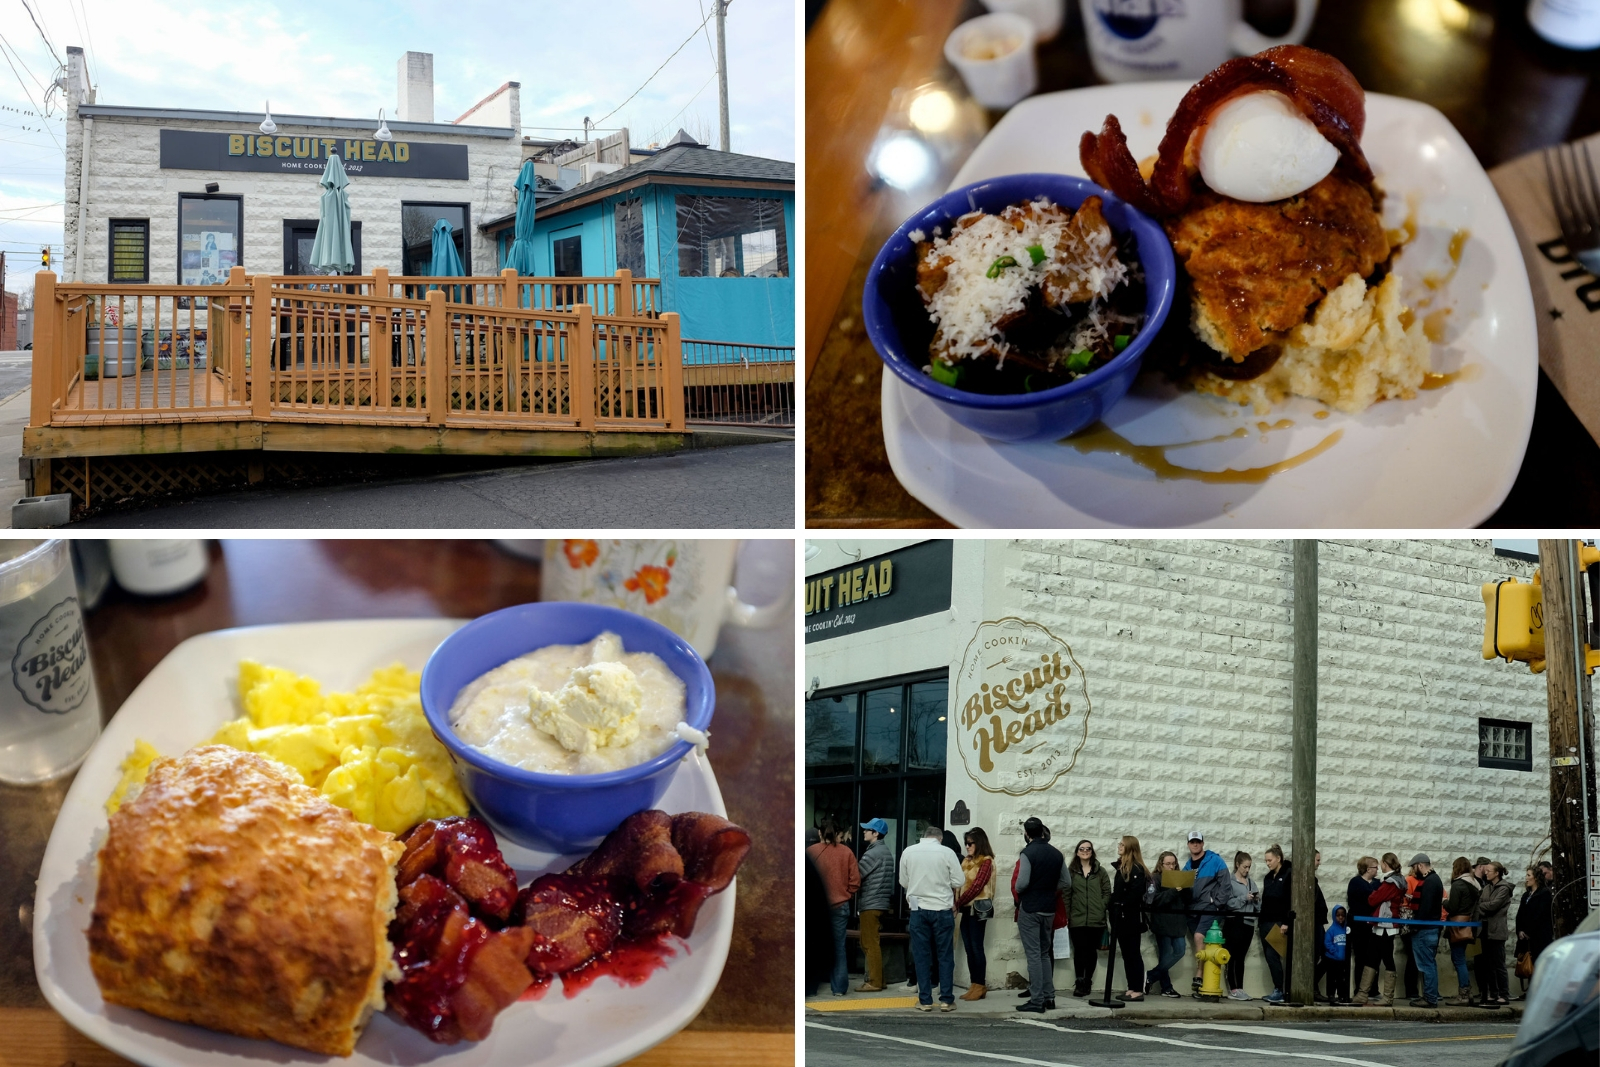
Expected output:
(202, 150)
(904, 584)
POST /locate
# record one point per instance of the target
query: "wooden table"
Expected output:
(750, 1017)
(1507, 91)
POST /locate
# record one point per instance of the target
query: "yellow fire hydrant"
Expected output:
(1214, 957)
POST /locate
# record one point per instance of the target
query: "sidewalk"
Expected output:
(13, 417)
(1155, 1009)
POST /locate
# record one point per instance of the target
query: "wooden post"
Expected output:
(624, 294)
(508, 288)
(46, 348)
(1571, 773)
(670, 356)
(1303, 778)
(262, 353)
(382, 347)
(438, 357)
(581, 368)
(233, 331)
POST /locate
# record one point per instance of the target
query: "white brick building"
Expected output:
(1184, 651)
(132, 172)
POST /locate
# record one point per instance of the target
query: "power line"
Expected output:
(24, 63)
(29, 95)
(658, 70)
(42, 36)
(88, 33)
(668, 124)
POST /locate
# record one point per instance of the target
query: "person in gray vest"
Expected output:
(874, 898)
(1041, 875)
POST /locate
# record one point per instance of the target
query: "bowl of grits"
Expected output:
(562, 719)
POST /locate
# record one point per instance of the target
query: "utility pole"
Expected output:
(1303, 779)
(1572, 783)
(722, 70)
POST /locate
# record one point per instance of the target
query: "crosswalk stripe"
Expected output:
(1274, 1031)
(1132, 1036)
(942, 1048)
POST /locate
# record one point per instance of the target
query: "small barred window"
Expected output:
(1505, 745)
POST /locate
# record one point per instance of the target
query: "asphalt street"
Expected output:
(16, 371)
(861, 1039)
(742, 486)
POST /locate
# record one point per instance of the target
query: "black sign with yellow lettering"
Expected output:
(904, 584)
(196, 150)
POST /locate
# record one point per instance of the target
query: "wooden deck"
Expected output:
(152, 396)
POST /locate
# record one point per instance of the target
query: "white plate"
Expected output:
(1445, 459)
(183, 702)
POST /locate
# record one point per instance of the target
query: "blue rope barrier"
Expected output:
(1407, 922)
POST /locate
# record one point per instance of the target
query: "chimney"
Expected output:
(415, 71)
(78, 89)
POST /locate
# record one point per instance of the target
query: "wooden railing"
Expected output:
(471, 352)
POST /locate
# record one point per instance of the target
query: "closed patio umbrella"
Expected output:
(520, 257)
(332, 249)
(446, 261)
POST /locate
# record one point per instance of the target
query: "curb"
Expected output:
(1242, 1012)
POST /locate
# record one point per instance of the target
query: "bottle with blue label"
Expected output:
(1157, 40)
(49, 707)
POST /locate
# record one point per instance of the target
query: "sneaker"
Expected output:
(1126, 999)
(1239, 994)
(1173, 993)
(1274, 997)
(947, 1006)
(1462, 1001)
(867, 988)
(924, 1007)
(1049, 1005)
(1025, 995)
(1423, 1002)
(1030, 1006)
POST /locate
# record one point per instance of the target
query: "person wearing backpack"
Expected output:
(1239, 927)
(1459, 906)
(976, 904)
(1168, 925)
(1128, 886)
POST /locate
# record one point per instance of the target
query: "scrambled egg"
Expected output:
(134, 771)
(599, 706)
(370, 751)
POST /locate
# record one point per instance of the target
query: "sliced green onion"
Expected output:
(1080, 360)
(1001, 264)
(1027, 384)
(1036, 252)
(943, 373)
(1120, 341)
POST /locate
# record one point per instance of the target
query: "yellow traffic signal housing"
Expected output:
(44, 257)
(1513, 622)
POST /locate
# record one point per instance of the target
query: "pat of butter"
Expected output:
(597, 708)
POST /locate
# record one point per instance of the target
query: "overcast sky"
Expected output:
(314, 58)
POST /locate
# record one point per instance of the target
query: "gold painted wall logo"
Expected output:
(1022, 707)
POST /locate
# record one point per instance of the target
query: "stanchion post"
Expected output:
(1111, 967)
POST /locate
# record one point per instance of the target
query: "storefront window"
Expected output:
(896, 716)
(731, 237)
(884, 712)
(831, 735)
(926, 728)
(630, 236)
(209, 229)
(416, 234)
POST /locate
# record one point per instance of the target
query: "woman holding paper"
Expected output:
(1168, 925)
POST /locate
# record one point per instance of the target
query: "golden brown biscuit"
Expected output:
(234, 897)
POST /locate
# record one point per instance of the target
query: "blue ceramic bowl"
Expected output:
(899, 328)
(557, 812)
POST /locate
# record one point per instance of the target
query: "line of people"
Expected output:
(1105, 908)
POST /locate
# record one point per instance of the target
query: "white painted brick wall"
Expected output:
(125, 181)
(1187, 649)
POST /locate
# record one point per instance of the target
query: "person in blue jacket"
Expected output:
(1335, 963)
(1211, 892)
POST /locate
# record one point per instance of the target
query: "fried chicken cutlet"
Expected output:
(1254, 269)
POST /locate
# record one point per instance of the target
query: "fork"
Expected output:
(1576, 196)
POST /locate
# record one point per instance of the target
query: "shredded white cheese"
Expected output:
(970, 303)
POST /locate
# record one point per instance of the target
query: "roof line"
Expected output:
(654, 178)
(503, 87)
(113, 111)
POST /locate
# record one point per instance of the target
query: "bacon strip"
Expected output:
(1319, 85)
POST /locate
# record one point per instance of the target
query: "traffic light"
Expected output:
(1513, 622)
(44, 258)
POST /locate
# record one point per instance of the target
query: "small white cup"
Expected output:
(1046, 15)
(686, 586)
(994, 55)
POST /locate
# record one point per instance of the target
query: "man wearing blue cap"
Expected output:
(875, 898)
